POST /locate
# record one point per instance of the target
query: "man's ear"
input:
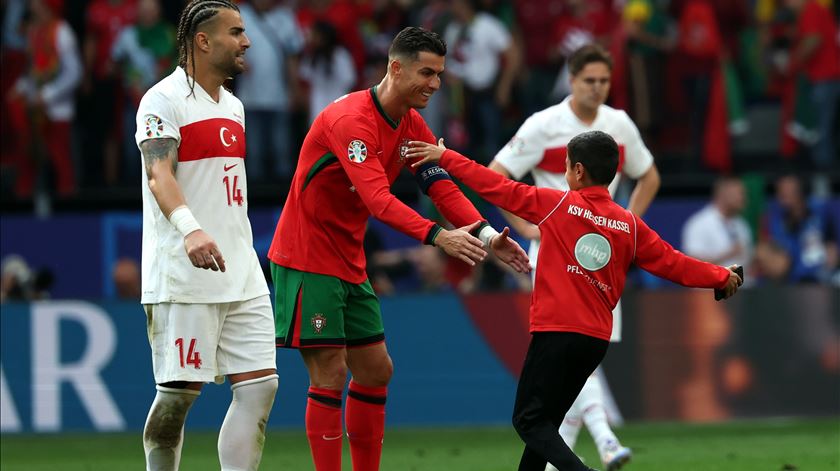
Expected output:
(202, 41)
(580, 171)
(394, 67)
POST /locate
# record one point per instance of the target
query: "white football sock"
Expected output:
(591, 403)
(613, 414)
(242, 436)
(163, 435)
(570, 428)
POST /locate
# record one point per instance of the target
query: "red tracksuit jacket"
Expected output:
(587, 245)
(351, 155)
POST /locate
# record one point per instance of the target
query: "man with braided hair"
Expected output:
(206, 300)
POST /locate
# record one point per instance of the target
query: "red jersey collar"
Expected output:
(596, 191)
(375, 97)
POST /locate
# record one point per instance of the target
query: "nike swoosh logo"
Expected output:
(228, 167)
(331, 438)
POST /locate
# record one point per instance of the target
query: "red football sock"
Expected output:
(365, 421)
(323, 428)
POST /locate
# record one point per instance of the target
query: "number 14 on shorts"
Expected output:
(193, 357)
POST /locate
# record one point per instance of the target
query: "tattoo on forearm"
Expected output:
(159, 149)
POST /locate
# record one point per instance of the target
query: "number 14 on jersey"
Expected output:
(193, 358)
(234, 193)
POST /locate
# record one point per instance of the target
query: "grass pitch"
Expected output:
(766, 445)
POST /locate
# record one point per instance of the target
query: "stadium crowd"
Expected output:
(717, 88)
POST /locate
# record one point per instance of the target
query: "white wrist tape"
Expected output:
(183, 220)
(486, 235)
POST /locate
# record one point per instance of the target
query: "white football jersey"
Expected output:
(211, 174)
(539, 147)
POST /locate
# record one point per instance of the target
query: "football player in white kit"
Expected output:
(205, 297)
(539, 147)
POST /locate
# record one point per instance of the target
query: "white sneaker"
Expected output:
(615, 456)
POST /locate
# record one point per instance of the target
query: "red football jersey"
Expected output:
(350, 157)
(587, 245)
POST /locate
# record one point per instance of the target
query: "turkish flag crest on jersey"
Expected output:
(210, 138)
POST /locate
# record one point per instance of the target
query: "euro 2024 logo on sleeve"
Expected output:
(593, 251)
(154, 126)
(357, 151)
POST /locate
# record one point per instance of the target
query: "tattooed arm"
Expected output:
(161, 159)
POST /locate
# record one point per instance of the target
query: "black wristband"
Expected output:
(478, 229)
(432, 234)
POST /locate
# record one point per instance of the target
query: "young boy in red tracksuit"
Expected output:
(588, 244)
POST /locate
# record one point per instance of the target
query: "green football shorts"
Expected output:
(313, 310)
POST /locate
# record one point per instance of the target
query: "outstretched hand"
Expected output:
(460, 244)
(733, 283)
(425, 152)
(508, 251)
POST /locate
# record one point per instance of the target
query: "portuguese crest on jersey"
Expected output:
(318, 322)
(403, 149)
(154, 126)
(357, 151)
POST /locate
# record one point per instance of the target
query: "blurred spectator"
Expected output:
(345, 16)
(718, 233)
(126, 276)
(536, 21)
(146, 52)
(582, 22)
(385, 18)
(268, 86)
(18, 282)
(699, 50)
(430, 263)
(385, 268)
(484, 59)
(42, 102)
(799, 243)
(13, 53)
(15, 276)
(102, 93)
(327, 66)
(433, 15)
(651, 35)
(816, 52)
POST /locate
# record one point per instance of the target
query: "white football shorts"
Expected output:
(206, 342)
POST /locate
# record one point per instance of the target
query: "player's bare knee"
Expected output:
(374, 373)
(166, 419)
(331, 375)
(383, 372)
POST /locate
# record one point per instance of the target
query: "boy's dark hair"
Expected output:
(598, 153)
(587, 55)
(411, 41)
(196, 13)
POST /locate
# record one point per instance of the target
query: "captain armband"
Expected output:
(429, 173)
(183, 220)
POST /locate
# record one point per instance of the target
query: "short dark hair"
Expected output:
(587, 55)
(724, 181)
(411, 41)
(598, 153)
